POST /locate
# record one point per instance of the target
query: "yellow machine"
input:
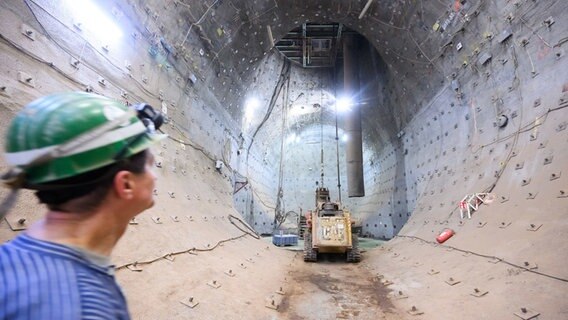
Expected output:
(329, 230)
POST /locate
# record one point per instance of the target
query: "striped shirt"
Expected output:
(46, 280)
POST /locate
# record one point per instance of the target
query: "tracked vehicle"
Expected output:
(329, 230)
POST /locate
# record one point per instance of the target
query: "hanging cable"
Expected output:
(284, 74)
(279, 215)
(321, 146)
(337, 143)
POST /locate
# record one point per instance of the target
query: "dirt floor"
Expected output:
(334, 289)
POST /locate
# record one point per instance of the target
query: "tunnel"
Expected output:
(420, 117)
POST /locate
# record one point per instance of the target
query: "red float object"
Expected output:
(445, 235)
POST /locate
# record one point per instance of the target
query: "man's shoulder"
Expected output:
(24, 249)
(69, 287)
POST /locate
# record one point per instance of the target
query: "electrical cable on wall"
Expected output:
(247, 230)
(235, 31)
(38, 59)
(515, 135)
(537, 122)
(521, 129)
(139, 85)
(48, 35)
(518, 132)
(80, 84)
(198, 21)
(485, 256)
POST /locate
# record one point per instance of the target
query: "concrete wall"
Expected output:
(512, 247)
(430, 136)
(190, 238)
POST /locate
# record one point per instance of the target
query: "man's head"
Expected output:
(74, 147)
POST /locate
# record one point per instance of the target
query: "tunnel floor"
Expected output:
(334, 289)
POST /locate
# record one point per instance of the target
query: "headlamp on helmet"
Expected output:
(66, 134)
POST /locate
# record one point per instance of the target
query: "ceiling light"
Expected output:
(89, 16)
(344, 104)
(293, 138)
(250, 106)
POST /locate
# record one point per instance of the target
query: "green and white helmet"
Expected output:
(67, 134)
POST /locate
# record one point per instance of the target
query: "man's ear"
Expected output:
(124, 184)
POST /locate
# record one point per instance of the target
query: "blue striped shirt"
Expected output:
(46, 280)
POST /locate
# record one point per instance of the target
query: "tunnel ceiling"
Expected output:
(227, 49)
(225, 45)
(237, 35)
(400, 30)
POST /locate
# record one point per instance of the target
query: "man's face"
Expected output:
(146, 182)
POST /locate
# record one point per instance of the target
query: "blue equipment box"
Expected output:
(285, 240)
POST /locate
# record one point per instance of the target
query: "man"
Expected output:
(87, 158)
